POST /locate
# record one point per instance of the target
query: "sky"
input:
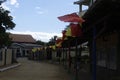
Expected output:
(39, 17)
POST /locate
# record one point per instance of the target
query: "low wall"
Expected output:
(8, 57)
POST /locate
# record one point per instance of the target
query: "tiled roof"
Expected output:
(22, 38)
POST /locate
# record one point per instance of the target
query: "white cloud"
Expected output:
(13, 2)
(10, 2)
(5, 7)
(37, 7)
(40, 12)
(43, 36)
(17, 5)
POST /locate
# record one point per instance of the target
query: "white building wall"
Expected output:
(9, 56)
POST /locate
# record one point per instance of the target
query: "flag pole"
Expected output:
(63, 56)
(76, 65)
(94, 55)
(69, 60)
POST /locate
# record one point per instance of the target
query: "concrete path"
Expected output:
(32, 70)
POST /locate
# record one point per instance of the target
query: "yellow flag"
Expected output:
(59, 44)
(68, 31)
(34, 50)
(53, 47)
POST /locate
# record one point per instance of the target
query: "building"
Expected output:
(22, 44)
(101, 28)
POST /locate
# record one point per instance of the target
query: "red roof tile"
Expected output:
(22, 38)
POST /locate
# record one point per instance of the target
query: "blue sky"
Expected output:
(39, 17)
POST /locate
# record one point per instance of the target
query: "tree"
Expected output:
(1, 1)
(40, 42)
(52, 41)
(6, 23)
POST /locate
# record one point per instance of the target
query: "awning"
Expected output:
(71, 18)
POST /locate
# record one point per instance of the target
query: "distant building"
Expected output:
(21, 38)
(22, 44)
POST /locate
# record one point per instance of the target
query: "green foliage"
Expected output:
(6, 23)
(1, 1)
(52, 41)
(40, 42)
(4, 39)
(6, 19)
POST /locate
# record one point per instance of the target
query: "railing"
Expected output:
(85, 3)
(82, 12)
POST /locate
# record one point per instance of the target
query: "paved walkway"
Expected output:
(31, 70)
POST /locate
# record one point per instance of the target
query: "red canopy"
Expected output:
(71, 18)
(75, 30)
